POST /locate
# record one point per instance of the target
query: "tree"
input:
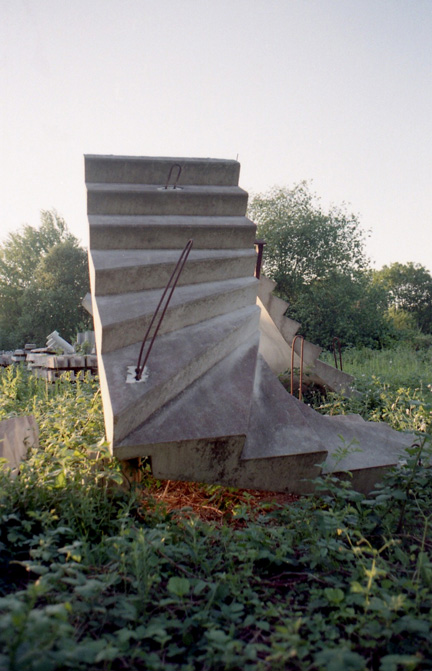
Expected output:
(351, 308)
(35, 266)
(303, 242)
(409, 287)
(318, 260)
(53, 300)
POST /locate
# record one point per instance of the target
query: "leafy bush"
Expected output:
(94, 579)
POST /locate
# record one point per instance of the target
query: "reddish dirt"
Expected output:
(209, 503)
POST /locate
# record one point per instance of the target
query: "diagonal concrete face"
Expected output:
(195, 350)
(215, 408)
(123, 319)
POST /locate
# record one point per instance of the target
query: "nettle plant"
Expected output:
(92, 577)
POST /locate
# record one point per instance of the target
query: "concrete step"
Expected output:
(135, 199)
(118, 271)
(196, 349)
(155, 170)
(200, 434)
(266, 288)
(333, 378)
(276, 307)
(123, 319)
(283, 452)
(170, 232)
(365, 449)
(371, 449)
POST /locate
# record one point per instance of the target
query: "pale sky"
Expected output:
(334, 91)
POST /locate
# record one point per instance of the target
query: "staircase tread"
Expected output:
(186, 189)
(177, 220)
(122, 258)
(118, 308)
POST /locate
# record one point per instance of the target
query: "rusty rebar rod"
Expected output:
(300, 337)
(175, 275)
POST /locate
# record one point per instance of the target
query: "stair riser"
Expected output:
(166, 203)
(141, 170)
(202, 463)
(126, 422)
(125, 236)
(138, 278)
(176, 317)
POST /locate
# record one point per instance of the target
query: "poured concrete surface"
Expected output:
(122, 270)
(170, 232)
(155, 170)
(195, 350)
(124, 318)
(131, 199)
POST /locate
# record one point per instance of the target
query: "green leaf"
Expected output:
(398, 662)
(339, 659)
(178, 586)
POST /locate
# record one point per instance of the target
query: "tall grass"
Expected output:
(399, 367)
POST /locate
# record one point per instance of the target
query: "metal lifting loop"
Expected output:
(179, 172)
(300, 337)
(175, 275)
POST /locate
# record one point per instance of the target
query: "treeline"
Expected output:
(318, 260)
(316, 256)
(43, 279)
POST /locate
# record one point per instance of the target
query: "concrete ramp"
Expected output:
(208, 407)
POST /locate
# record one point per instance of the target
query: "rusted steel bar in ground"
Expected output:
(338, 341)
(175, 275)
(260, 244)
(179, 168)
(300, 337)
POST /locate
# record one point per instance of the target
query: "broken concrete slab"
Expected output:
(17, 436)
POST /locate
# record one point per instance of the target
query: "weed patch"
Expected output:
(195, 578)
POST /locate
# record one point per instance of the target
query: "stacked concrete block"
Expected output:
(51, 366)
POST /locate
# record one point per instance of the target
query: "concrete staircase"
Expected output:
(275, 326)
(208, 407)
